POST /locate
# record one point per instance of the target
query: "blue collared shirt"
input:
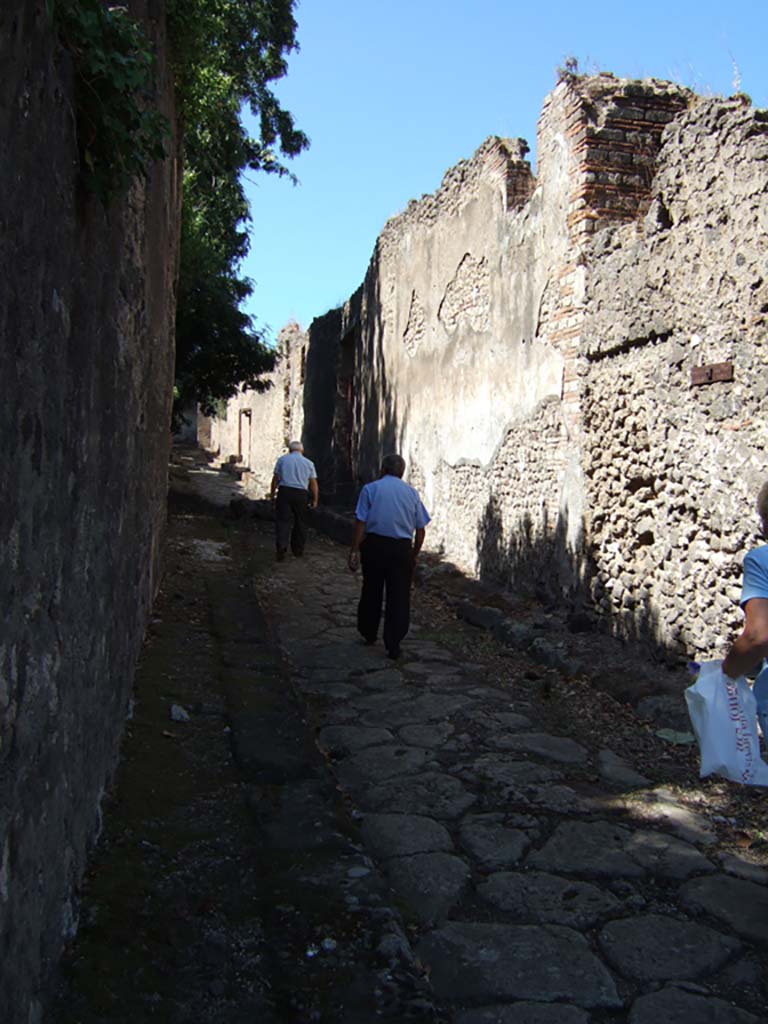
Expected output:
(391, 508)
(755, 582)
(293, 470)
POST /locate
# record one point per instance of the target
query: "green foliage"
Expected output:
(119, 131)
(226, 54)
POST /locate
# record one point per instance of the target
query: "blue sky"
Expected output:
(393, 94)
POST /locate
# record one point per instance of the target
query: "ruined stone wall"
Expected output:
(672, 469)
(527, 344)
(453, 356)
(86, 362)
(255, 427)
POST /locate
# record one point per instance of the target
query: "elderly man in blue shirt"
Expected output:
(293, 480)
(390, 522)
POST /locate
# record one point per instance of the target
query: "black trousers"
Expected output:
(291, 519)
(387, 567)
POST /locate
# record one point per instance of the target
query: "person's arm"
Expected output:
(357, 539)
(273, 486)
(315, 492)
(752, 646)
(418, 542)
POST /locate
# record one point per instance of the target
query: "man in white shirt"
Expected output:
(390, 522)
(293, 477)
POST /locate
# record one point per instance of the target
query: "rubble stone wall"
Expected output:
(86, 361)
(672, 469)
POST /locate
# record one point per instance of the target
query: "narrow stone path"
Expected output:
(550, 883)
(229, 885)
(454, 826)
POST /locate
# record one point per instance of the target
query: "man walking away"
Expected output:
(293, 476)
(389, 512)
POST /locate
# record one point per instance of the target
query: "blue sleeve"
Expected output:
(755, 575)
(363, 505)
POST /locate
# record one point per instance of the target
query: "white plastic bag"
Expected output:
(724, 717)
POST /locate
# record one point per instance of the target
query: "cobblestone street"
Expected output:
(429, 839)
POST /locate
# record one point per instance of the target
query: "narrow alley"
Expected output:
(301, 830)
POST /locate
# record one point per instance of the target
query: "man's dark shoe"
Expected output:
(280, 555)
(393, 652)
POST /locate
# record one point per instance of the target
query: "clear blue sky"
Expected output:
(393, 94)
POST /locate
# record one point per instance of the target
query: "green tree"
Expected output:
(227, 53)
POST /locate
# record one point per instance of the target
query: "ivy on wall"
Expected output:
(225, 55)
(119, 131)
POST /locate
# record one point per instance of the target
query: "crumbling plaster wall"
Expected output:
(452, 354)
(86, 361)
(471, 341)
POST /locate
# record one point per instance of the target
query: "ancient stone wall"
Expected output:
(672, 468)
(528, 343)
(86, 361)
(254, 428)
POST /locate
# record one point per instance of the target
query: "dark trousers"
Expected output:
(387, 567)
(291, 519)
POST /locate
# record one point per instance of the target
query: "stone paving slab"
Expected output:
(653, 947)
(551, 748)
(433, 794)
(345, 739)
(514, 774)
(433, 734)
(330, 691)
(663, 809)
(401, 835)
(474, 961)
(378, 763)
(524, 1013)
(615, 770)
(490, 843)
(735, 903)
(430, 883)
(425, 707)
(388, 680)
(603, 850)
(674, 1006)
(539, 898)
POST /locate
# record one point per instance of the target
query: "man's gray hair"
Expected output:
(295, 446)
(392, 465)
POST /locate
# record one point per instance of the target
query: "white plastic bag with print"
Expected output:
(723, 714)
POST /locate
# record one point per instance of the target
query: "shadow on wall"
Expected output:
(538, 561)
(379, 430)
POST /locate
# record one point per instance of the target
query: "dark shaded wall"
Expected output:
(320, 397)
(86, 365)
